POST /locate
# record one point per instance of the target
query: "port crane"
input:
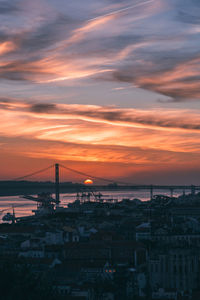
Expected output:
(88, 196)
(45, 203)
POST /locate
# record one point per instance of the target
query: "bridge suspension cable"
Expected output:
(34, 173)
(71, 170)
(91, 176)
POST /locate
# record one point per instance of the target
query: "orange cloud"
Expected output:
(115, 162)
(114, 134)
(6, 47)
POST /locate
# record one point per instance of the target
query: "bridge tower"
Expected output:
(193, 189)
(151, 192)
(57, 190)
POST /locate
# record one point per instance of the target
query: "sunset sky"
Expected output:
(107, 87)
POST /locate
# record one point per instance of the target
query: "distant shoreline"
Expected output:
(17, 188)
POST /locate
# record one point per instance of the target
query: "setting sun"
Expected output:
(88, 181)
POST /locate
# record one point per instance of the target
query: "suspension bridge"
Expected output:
(109, 184)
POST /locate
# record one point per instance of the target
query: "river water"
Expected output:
(24, 207)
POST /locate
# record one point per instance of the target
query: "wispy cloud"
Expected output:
(140, 42)
(188, 120)
(48, 47)
(99, 126)
(124, 45)
(8, 7)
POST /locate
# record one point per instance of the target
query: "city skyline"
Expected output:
(110, 88)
